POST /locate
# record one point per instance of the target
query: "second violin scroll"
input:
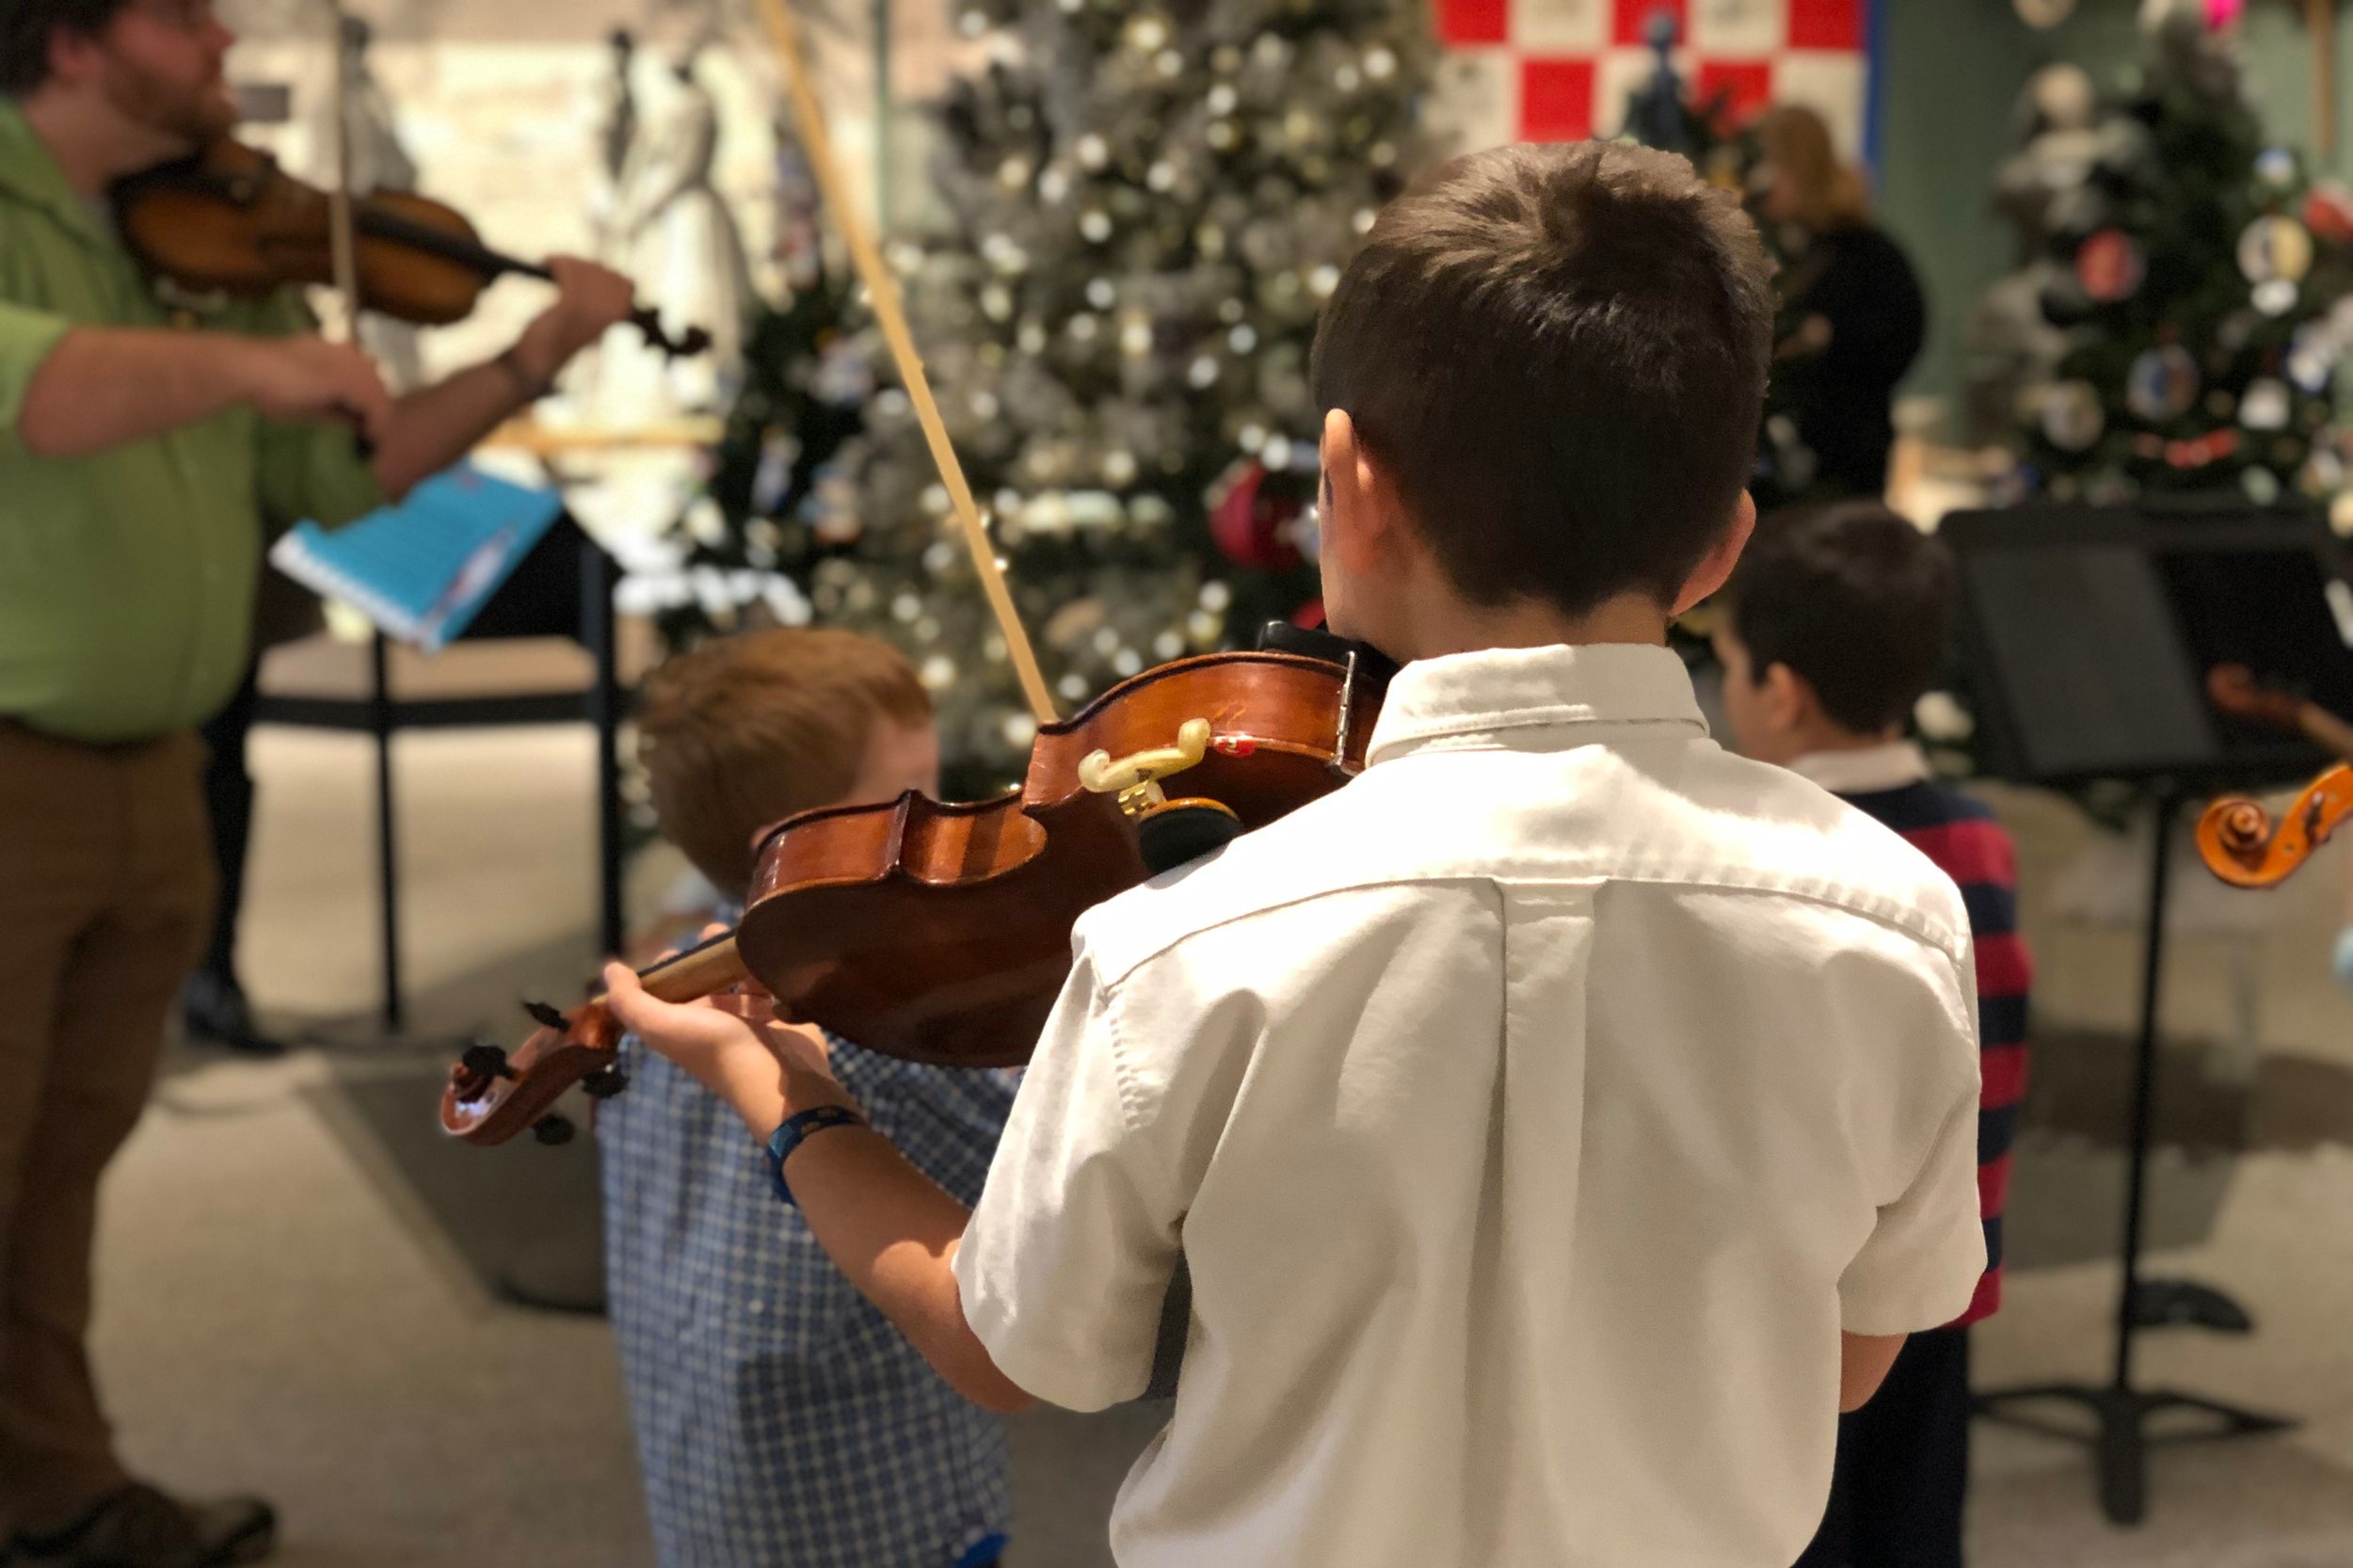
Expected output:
(2240, 841)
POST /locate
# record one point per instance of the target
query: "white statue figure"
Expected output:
(378, 162)
(620, 116)
(616, 132)
(672, 232)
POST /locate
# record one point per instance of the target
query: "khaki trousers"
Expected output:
(105, 892)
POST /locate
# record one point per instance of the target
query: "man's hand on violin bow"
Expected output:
(590, 301)
(312, 378)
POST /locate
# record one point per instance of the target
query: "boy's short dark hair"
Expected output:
(1558, 353)
(1854, 599)
(28, 26)
(746, 730)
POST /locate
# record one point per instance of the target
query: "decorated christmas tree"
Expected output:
(741, 552)
(1144, 208)
(2180, 317)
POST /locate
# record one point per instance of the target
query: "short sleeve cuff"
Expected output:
(1062, 1375)
(27, 337)
(1912, 1290)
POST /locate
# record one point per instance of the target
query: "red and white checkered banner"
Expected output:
(1562, 70)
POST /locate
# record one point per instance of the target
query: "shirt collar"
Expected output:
(29, 171)
(1865, 770)
(1470, 700)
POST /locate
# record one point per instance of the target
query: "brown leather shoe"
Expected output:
(141, 1528)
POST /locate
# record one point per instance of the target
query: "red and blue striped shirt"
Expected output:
(1961, 835)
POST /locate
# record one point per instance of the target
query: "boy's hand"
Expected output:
(735, 1045)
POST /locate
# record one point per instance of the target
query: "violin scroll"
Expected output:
(686, 345)
(493, 1095)
(2244, 845)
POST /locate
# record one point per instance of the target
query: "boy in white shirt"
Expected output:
(1562, 1122)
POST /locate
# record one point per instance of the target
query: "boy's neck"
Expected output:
(1819, 739)
(94, 144)
(1436, 629)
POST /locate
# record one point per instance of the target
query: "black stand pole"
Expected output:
(387, 863)
(2121, 1439)
(604, 713)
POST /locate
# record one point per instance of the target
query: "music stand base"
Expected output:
(2120, 1441)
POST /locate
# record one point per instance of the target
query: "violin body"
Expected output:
(941, 933)
(231, 220)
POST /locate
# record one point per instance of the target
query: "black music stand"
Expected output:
(562, 588)
(2085, 636)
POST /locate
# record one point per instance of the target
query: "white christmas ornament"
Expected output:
(2064, 97)
(2264, 404)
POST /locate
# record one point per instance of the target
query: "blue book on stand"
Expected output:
(422, 570)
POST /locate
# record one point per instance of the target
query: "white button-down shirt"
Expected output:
(1533, 1113)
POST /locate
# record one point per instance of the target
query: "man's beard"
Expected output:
(190, 117)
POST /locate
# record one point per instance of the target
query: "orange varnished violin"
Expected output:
(2240, 841)
(231, 220)
(941, 933)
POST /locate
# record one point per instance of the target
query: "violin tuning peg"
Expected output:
(552, 1130)
(486, 1061)
(605, 1082)
(545, 1014)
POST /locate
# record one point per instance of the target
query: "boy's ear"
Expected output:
(1715, 568)
(1342, 514)
(1789, 699)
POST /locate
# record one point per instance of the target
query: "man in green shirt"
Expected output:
(142, 445)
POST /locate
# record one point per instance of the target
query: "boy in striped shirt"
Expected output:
(1833, 626)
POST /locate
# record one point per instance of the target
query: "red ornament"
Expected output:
(2210, 448)
(1250, 526)
(1309, 614)
(2328, 213)
(2110, 266)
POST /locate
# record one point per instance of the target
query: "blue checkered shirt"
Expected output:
(781, 1421)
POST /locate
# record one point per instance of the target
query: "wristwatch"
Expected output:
(787, 1138)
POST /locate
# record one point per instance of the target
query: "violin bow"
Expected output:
(342, 233)
(808, 115)
(340, 229)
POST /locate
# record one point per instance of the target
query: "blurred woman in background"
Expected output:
(1851, 322)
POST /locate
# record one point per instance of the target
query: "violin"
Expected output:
(231, 220)
(2238, 839)
(941, 934)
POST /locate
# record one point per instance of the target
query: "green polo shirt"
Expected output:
(127, 577)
